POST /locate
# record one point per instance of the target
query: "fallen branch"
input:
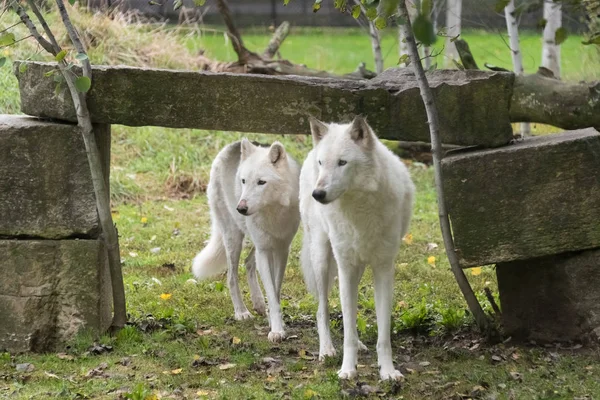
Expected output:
(276, 40)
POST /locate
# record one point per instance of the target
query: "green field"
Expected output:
(182, 334)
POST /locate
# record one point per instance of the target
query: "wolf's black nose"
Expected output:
(242, 210)
(319, 195)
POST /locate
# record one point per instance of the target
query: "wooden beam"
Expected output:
(281, 105)
(536, 198)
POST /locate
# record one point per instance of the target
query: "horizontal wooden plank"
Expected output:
(536, 198)
(281, 105)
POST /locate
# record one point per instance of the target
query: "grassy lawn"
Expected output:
(183, 342)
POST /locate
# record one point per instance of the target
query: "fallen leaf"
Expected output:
(166, 207)
(431, 246)
(496, 358)
(236, 340)
(227, 366)
(166, 296)
(408, 238)
(402, 304)
(310, 394)
(157, 281)
(431, 260)
(516, 376)
(173, 371)
(155, 250)
(205, 332)
(51, 375)
(515, 356)
(424, 363)
(65, 356)
(133, 254)
(476, 271)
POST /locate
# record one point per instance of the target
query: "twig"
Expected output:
(16, 41)
(32, 29)
(10, 27)
(490, 297)
(85, 63)
(433, 120)
(40, 18)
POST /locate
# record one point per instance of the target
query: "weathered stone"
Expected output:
(553, 298)
(535, 198)
(281, 104)
(50, 290)
(45, 183)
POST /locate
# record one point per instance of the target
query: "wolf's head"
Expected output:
(344, 154)
(263, 173)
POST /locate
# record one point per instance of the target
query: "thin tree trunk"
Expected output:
(512, 28)
(453, 26)
(94, 158)
(550, 50)
(376, 46)
(433, 120)
(236, 39)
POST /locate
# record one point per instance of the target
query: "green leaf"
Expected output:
(22, 68)
(219, 286)
(50, 73)
(426, 7)
(501, 5)
(81, 56)
(83, 84)
(60, 56)
(404, 59)
(380, 22)
(317, 5)
(560, 36)
(2, 61)
(59, 78)
(340, 5)
(286, 2)
(72, 2)
(177, 4)
(388, 8)
(371, 13)
(356, 11)
(200, 3)
(423, 30)
(541, 24)
(6, 39)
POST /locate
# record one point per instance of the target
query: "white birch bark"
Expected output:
(550, 50)
(453, 26)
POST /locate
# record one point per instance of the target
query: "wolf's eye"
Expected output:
(243, 181)
(261, 182)
(341, 163)
(319, 162)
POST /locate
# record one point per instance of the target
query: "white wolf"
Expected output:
(356, 201)
(252, 191)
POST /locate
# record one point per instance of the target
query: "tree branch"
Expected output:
(433, 120)
(32, 29)
(278, 37)
(38, 14)
(236, 39)
(87, 67)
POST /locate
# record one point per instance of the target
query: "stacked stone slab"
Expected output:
(533, 210)
(54, 279)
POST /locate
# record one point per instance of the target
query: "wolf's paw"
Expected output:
(243, 315)
(362, 347)
(261, 308)
(276, 337)
(326, 351)
(390, 374)
(347, 374)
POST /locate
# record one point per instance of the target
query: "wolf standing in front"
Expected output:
(252, 191)
(356, 202)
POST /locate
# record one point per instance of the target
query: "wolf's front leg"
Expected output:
(322, 261)
(258, 300)
(383, 276)
(349, 277)
(267, 261)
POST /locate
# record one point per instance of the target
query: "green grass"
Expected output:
(176, 343)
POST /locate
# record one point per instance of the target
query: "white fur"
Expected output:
(367, 212)
(271, 222)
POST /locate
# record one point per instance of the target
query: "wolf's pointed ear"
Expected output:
(361, 132)
(277, 153)
(318, 129)
(247, 148)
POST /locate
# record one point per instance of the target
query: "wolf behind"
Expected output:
(356, 201)
(253, 191)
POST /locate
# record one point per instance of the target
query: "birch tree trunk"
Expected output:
(512, 29)
(402, 43)
(550, 50)
(453, 24)
(376, 46)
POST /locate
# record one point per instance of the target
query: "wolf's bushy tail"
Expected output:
(212, 260)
